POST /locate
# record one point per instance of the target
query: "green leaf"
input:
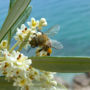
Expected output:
(18, 23)
(12, 3)
(62, 64)
(13, 15)
(9, 40)
(5, 85)
(21, 19)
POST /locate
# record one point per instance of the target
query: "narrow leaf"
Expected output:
(18, 23)
(21, 19)
(5, 85)
(9, 33)
(9, 40)
(13, 15)
(62, 64)
(12, 2)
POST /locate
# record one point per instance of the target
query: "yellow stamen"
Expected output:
(21, 38)
(22, 82)
(2, 58)
(34, 23)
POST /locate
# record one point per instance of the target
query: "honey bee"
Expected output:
(39, 40)
(42, 40)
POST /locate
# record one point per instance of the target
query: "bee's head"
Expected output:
(34, 42)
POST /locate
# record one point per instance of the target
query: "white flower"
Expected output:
(21, 33)
(42, 23)
(21, 82)
(16, 60)
(47, 75)
(3, 44)
(42, 20)
(17, 67)
(33, 23)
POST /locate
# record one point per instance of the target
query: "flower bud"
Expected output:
(54, 83)
(43, 20)
(44, 24)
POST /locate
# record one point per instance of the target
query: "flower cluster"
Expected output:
(17, 67)
(34, 26)
(34, 30)
(37, 24)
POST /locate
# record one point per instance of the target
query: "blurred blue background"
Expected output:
(74, 18)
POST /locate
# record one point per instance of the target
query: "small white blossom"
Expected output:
(4, 44)
(33, 23)
(21, 33)
(42, 23)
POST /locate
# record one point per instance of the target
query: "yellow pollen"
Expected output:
(36, 73)
(4, 73)
(4, 43)
(22, 82)
(31, 77)
(6, 65)
(43, 54)
(18, 71)
(34, 23)
(20, 37)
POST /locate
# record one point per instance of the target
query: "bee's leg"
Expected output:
(40, 50)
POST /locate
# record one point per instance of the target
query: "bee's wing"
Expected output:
(56, 44)
(53, 30)
(29, 49)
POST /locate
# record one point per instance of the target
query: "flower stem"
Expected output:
(14, 46)
(9, 39)
(24, 42)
